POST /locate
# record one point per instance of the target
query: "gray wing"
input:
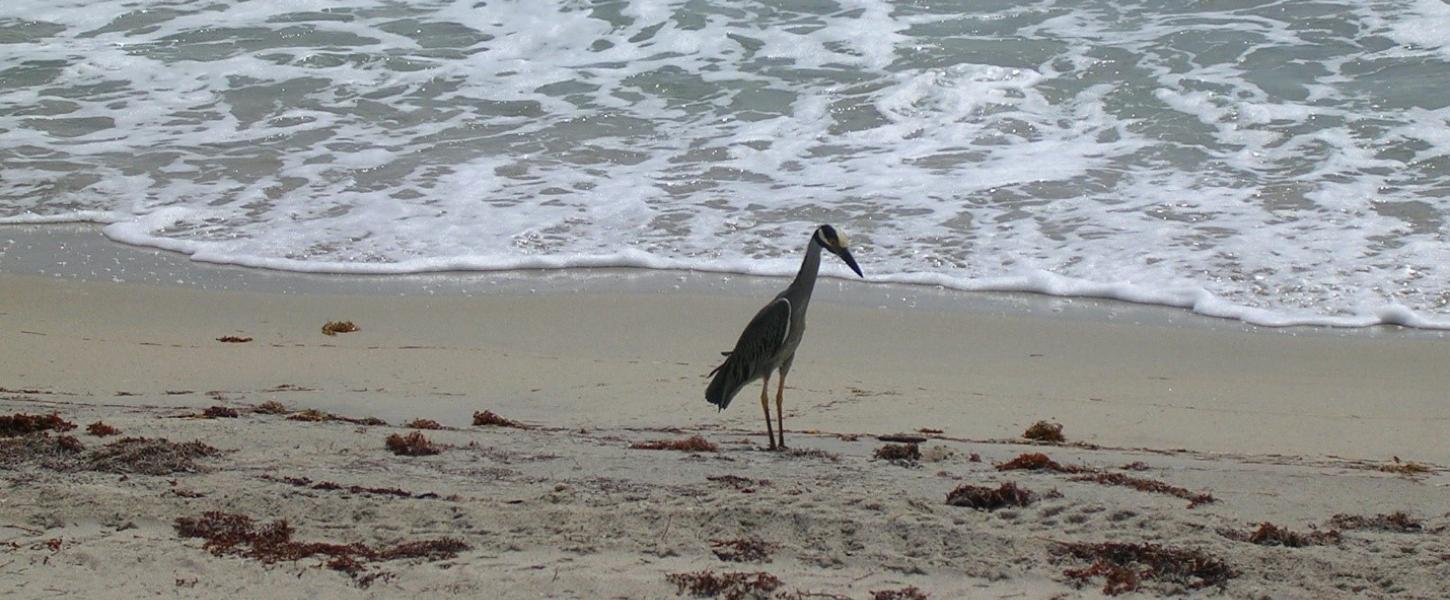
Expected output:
(765, 336)
(762, 340)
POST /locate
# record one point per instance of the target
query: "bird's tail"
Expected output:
(725, 382)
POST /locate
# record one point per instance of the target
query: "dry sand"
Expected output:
(1289, 427)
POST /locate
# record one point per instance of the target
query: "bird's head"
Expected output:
(835, 243)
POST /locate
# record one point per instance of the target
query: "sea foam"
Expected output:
(1276, 163)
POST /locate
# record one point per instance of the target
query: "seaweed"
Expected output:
(349, 564)
(5, 390)
(100, 429)
(232, 339)
(311, 416)
(413, 444)
(423, 424)
(813, 453)
(1038, 461)
(20, 424)
(1044, 431)
(1117, 579)
(1149, 485)
(271, 407)
(316, 416)
(132, 455)
(730, 586)
(910, 592)
(58, 453)
(804, 595)
(1041, 462)
(1269, 534)
(305, 482)
(489, 418)
(238, 535)
(336, 327)
(1405, 468)
(220, 412)
(985, 498)
(147, 456)
(1395, 521)
(899, 453)
(902, 438)
(1126, 565)
(751, 549)
(693, 443)
(436, 549)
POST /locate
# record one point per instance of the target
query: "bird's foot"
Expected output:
(772, 447)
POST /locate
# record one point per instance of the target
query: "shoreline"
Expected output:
(79, 251)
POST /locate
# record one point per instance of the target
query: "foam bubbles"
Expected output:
(1271, 163)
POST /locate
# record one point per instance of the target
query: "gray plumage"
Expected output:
(769, 342)
(761, 349)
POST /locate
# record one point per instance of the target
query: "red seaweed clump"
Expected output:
(1269, 534)
(1125, 566)
(899, 453)
(731, 586)
(21, 424)
(489, 418)
(413, 444)
(1044, 431)
(230, 534)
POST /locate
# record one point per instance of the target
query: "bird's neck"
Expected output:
(805, 280)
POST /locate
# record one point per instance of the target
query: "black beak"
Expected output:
(845, 255)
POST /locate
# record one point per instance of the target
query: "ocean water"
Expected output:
(1280, 162)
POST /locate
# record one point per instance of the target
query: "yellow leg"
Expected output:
(765, 405)
(779, 410)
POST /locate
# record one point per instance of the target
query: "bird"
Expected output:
(769, 342)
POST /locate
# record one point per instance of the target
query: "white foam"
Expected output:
(1129, 152)
(1424, 24)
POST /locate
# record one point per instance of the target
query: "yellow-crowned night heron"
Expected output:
(768, 343)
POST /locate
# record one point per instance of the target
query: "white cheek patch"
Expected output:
(840, 239)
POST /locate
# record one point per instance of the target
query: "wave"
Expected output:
(1195, 299)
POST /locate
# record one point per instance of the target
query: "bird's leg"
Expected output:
(779, 410)
(765, 405)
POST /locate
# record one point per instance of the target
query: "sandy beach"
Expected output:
(381, 299)
(1289, 427)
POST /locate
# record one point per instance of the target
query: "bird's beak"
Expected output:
(845, 255)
